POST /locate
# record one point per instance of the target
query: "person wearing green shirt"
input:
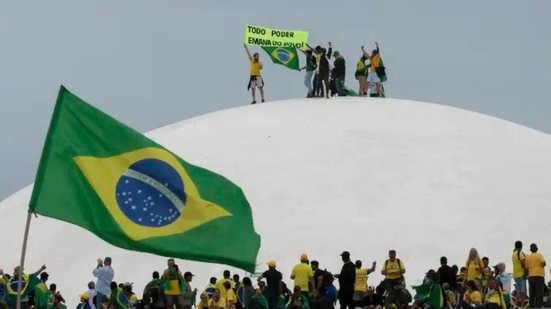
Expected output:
(41, 293)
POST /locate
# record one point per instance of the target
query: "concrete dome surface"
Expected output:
(323, 176)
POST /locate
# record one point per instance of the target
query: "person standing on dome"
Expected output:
(310, 68)
(346, 278)
(535, 263)
(339, 72)
(473, 265)
(303, 275)
(360, 283)
(274, 287)
(105, 274)
(255, 80)
(519, 272)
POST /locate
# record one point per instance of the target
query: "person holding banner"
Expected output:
(255, 80)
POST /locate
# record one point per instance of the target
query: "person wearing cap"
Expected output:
(220, 283)
(274, 285)
(535, 263)
(339, 72)
(217, 302)
(393, 270)
(189, 294)
(104, 273)
(360, 283)
(303, 275)
(84, 301)
(347, 278)
(173, 286)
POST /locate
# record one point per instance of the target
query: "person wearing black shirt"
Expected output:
(347, 277)
(273, 284)
(447, 274)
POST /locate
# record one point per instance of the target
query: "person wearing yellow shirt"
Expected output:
(303, 275)
(493, 297)
(473, 265)
(220, 283)
(519, 272)
(393, 270)
(360, 283)
(255, 80)
(203, 301)
(535, 263)
(472, 296)
(231, 297)
(173, 280)
(217, 302)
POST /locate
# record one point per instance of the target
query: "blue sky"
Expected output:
(151, 63)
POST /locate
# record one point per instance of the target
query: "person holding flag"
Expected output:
(28, 283)
(255, 80)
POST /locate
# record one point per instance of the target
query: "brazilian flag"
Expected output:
(285, 56)
(99, 174)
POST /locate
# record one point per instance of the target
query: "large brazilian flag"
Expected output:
(98, 173)
(285, 56)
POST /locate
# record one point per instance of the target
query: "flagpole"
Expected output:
(23, 251)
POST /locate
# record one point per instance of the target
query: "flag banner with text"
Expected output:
(262, 36)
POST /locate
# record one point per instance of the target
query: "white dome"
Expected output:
(323, 176)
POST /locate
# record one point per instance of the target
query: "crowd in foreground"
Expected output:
(476, 285)
(326, 73)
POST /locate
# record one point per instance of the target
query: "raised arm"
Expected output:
(248, 52)
(377, 47)
(366, 54)
(42, 268)
(372, 268)
(329, 51)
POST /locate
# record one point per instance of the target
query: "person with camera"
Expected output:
(104, 274)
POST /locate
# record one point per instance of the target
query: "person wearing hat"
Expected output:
(104, 273)
(189, 294)
(274, 286)
(339, 72)
(347, 278)
(84, 301)
(535, 263)
(303, 275)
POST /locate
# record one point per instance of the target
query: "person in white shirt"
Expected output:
(105, 274)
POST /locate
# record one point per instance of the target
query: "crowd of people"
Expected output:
(326, 78)
(476, 285)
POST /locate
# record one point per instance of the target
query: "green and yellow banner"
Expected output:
(262, 36)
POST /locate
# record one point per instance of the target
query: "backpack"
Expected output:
(154, 293)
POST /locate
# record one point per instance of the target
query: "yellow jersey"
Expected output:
(474, 269)
(518, 258)
(361, 280)
(302, 273)
(256, 66)
(221, 303)
(473, 297)
(496, 297)
(220, 286)
(533, 264)
(393, 269)
(230, 297)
